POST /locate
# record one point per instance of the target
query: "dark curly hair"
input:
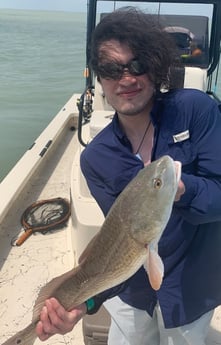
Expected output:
(144, 36)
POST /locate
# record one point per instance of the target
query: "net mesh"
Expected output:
(46, 213)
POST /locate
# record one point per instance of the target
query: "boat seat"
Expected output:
(195, 77)
(189, 77)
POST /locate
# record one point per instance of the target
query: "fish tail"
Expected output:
(25, 337)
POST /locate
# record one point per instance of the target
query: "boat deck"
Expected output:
(25, 269)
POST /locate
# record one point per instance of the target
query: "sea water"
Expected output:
(42, 59)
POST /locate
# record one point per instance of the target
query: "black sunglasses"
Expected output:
(114, 70)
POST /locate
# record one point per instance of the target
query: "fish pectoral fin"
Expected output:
(154, 267)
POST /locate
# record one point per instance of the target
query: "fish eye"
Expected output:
(157, 183)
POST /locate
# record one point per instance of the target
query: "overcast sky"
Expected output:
(81, 6)
(52, 5)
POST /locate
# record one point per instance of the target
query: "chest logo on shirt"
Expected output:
(181, 136)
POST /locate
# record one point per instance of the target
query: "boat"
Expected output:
(50, 169)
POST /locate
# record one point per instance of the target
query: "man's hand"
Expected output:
(181, 186)
(180, 190)
(54, 319)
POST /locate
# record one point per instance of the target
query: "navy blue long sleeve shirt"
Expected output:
(187, 126)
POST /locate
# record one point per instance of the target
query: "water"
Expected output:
(42, 58)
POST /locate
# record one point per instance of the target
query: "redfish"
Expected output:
(127, 240)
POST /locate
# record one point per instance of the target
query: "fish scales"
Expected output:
(97, 279)
(137, 219)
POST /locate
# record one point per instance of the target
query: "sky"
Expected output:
(51, 5)
(81, 6)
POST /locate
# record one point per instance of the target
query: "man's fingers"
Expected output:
(54, 319)
(40, 332)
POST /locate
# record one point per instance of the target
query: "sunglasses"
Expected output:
(114, 70)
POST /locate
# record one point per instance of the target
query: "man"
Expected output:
(132, 57)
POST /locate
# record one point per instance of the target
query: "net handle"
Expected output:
(30, 230)
(24, 237)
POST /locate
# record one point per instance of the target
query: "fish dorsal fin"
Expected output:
(48, 290)
(86, 252)
(154, 267)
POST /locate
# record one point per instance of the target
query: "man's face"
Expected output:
(130, 94)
